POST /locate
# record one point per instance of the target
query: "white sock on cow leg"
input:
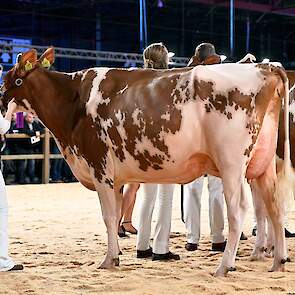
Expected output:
(278, 232)
(274, 207)
(111, 202)
(280, 249)
(270, 239)
(236, 208)
(260, 213)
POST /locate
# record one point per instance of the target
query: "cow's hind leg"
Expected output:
(270, 239)
(111, 202)
(235, 196)
(260, 213)
(275, 209)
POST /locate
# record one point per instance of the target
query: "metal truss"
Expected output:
(89, 54)
(274, 7)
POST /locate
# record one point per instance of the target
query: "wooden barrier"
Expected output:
(46, 156)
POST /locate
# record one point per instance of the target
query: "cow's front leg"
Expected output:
(236, 202)
(260, 213)
(111, 202)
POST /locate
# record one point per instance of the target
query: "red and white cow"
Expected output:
(116, 126)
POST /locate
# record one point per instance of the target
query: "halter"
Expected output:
(18, 82)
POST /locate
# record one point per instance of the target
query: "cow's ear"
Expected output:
(26, 62)
(47, 58)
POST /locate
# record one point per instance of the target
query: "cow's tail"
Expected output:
(285, 188)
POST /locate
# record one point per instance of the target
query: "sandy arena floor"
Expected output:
(57, 231)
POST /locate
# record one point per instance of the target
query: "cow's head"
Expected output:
(16, 80)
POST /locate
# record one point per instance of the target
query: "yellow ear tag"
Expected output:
(28, 66)
(46, 63)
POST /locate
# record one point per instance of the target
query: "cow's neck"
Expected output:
(55, 99)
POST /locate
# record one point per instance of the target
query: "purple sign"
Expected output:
(19, 120)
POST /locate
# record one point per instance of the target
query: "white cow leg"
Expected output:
(275, 210)
(236, 202)
(111, 203)
(270, 239)
(260, 213)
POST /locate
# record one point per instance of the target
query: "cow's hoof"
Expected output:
(109, 263)
(116, 261)
(221, 271)
(278, 266)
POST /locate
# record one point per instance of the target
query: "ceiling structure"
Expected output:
(279, 7)
(111, 25)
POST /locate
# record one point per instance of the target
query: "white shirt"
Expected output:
(4, 124)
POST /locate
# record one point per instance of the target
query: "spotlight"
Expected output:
(160, 4)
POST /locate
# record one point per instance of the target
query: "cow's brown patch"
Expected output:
(117, 142)
(241, 100)
(203, 90)
(142, 102)
(248, 150)
(219, 102)
(87, 85)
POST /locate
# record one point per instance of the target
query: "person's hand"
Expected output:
(38, 133)
(11, 106)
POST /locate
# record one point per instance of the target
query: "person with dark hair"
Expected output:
(191, 200)
(204, 55)
(6, 263)
(28, 146)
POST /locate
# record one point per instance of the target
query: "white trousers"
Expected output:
(163, 220)
(192, 194)
(6, 262)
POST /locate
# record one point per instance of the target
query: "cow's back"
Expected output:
(158, 120)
